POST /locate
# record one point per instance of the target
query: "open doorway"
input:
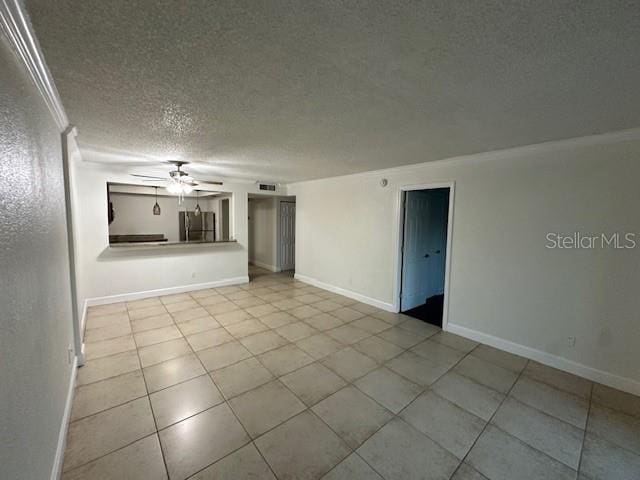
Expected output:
(271, 225)
(425, 244)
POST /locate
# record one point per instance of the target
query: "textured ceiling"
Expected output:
(285, 90)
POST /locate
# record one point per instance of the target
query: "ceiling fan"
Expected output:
(179, 181)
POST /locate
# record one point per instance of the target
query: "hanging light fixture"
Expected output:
(156, 207)
(180, 185)
(197, 209)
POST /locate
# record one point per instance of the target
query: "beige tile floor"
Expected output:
(279, 379)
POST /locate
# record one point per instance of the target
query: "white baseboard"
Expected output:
(271, 268)
(347, 293)
(595, 375)
(127, 297)
(56, 471)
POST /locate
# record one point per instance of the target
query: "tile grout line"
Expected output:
(146, 386)
(506, 395)
(109, 453)
(352, 384)
(129, 401)
(409, 404)
(251, 440)
(193, 352)
(553, 387)
(319, 361)
(306, 409)
(379, 365)
(255, 356)
(113, 406)
(542, 382)
(207, 373)
(586, 426)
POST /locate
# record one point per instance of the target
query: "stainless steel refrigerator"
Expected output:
(197, 228)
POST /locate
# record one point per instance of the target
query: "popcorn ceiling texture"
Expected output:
(288, 90)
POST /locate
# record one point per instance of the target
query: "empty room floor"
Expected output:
(279, 379)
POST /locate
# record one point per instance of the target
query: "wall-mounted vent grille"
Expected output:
(266, 186)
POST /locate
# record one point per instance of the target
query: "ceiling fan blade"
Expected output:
(211, 182)
(154, 180)
(147, 176)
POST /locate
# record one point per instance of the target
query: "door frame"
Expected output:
(399, 238)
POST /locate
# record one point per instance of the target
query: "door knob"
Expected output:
(437, 251)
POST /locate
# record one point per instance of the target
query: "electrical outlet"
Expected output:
(70, 354)
(571, 341)
(193, 274)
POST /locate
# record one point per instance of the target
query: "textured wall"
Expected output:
(35, 302)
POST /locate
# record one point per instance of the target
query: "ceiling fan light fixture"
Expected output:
(179, 188)
(173, 188)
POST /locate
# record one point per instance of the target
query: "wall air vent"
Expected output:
(268, 186)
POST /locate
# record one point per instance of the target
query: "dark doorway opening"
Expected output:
(424, 253)
(430, 311)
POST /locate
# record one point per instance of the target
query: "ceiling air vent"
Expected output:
(268, 186)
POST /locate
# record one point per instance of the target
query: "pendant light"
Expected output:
(156, 207)
(197, 209)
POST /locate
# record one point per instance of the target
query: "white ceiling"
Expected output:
(286, 90)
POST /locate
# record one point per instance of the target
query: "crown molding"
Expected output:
(17, 28)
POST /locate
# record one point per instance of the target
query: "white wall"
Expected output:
(36, 326)
(505, 285)
(110, 274)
